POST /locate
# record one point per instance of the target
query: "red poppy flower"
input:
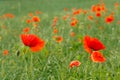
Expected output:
(5, 52)
(55, 31)
(98, 7)
(8, 15)
(76, 12)
(58, 38)
(74, 63)
(109, 19)
(90, 17)
(32, 41)
(116, 5)
(38, 12)
(96, 56)
(30, 14)
(28, 21)
(26, 30)
(98, 14)
(55, 19)
(72, 34)
(35, 19)
(91, 44)
(74, 22)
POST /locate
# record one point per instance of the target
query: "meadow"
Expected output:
(59, 40)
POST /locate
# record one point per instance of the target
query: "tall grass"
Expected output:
(52, 62)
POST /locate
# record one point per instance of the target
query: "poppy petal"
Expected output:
(86, 44)
(32, 41)
(75, 63)
(38, 47)
(92, 44)
(96, 45)
(96, 56)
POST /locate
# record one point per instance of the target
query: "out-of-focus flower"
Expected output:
(109, 19)
(5, 52)
(58, 38)
(74, 63)
(26, 30)
(35, 19)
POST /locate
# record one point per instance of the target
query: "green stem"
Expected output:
(31, 66)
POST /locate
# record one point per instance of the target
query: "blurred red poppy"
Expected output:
(58, 38)
(8, 15)
(77, 12)
(55, 31)
(5, 52)
(98, 14)
(74, 63)
(90, 17)
(96, 56)
(74, 22)
(32, 41)
(109, 19)
(26, 30)
(72, 34)
(35, 19)
(28, 21)
(92, 44)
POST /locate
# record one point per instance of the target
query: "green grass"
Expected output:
(21, 7)
(52, 62)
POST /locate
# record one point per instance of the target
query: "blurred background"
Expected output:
(21, 7)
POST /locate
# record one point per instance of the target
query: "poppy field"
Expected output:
(60, 40)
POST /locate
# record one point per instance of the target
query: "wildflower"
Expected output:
(116, 5)
(35, 19)
(8, 15)
(109, 19)
(103, 7)
(55, 31)
(98, 8)
(92, 44)
(38, 12)
(74, 22)
(90, 17)
(77, 12)
(72, 34)
(98, 14)
(75, 63)
(34, 42)
(30, 14)
(93, 8)
(96, 56)
(28, 21)
(58, 39)
(55, 21)
(65, 9)
(26, 30)
(5, 52)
